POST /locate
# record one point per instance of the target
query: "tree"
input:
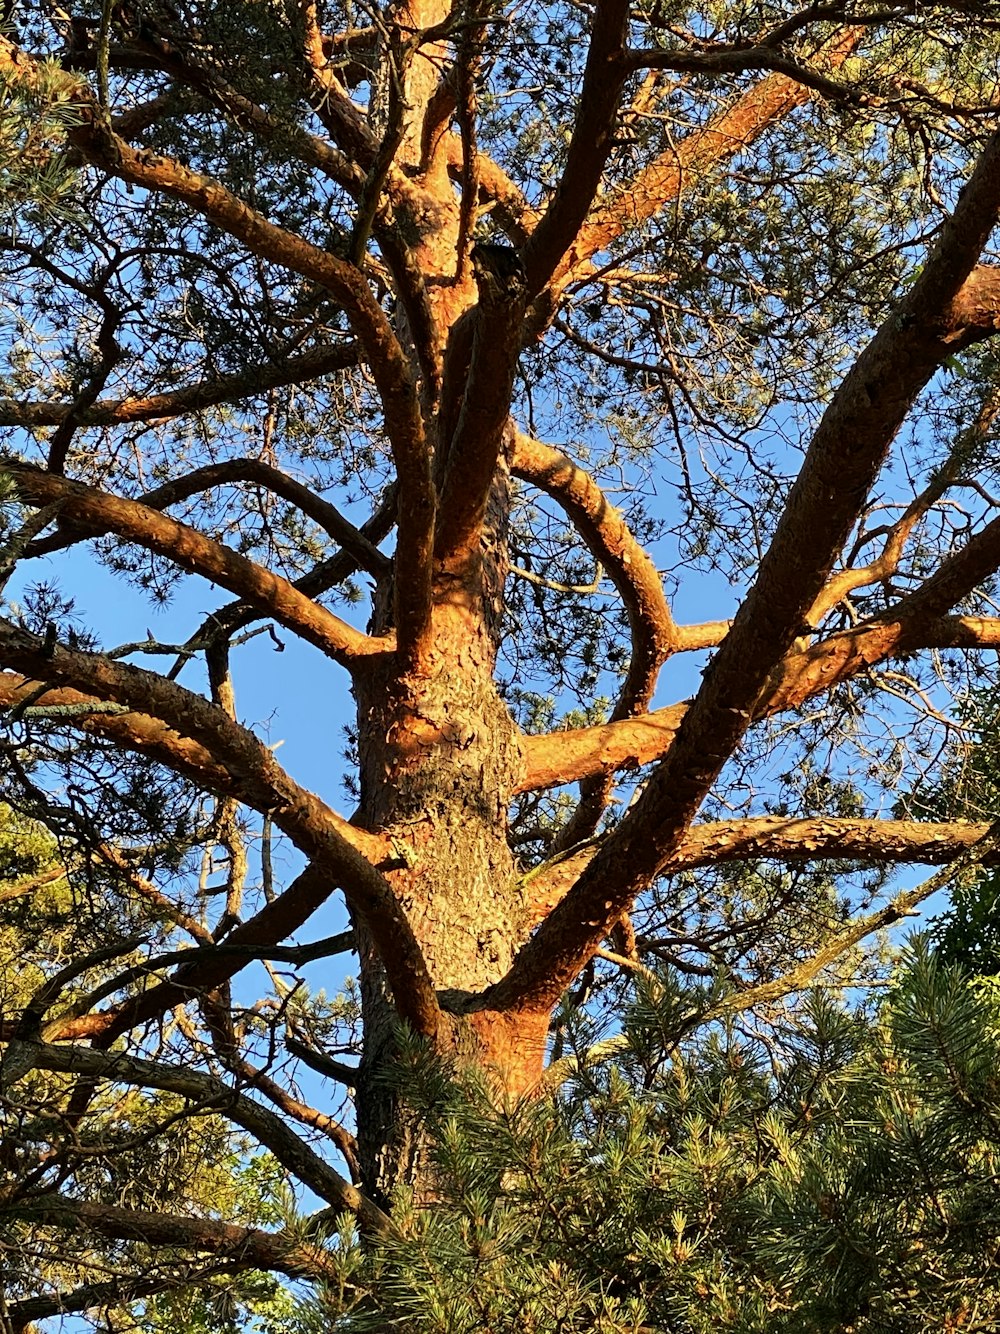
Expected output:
(319, 279)
(843, 1181)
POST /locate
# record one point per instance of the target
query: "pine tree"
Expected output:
(297, 298)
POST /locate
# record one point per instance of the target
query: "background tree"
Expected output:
(319, 281)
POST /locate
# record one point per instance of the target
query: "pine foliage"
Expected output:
(841, 1177)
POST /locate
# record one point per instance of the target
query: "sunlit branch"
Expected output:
(19, 889)
(901, 906)
(950, 305)
(100, 512)
(389, 364)
(898, 534)
(348, 127)
(258, 473)
(508, 205)
(227, 620)
(653, 632)
(136, 731)
(781, 838)
(209, 85)
(329, 97)
(916, 621)
(662, 181)
(982, 848)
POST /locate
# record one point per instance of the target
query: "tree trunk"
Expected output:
(439, 758)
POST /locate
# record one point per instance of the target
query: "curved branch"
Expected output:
(324, 837)
(100, 512)
(215, 1095)
(255, 471)
(950, 305)
(654, 635)
(193, 398)
(137, 731)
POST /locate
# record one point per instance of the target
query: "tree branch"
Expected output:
(654, 635)
(779, 838)
(566, 757)
(325, 838)
(256, 472)
(982, 848)
(589, 149)
(389, 364)
(98, 511)
(738, 60)
(193, 398)
(950, 305)
(211, 1094)
(662, 180)
(473, 452)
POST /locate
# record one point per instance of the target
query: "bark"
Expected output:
(442, 916)
(439, 761)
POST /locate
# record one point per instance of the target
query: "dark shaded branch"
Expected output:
(239, 955)
(593, 137)
(323, 1065)
(192, 398)
(211, 1094)
(319, 832)
(113, 1292)
(737, 60)
(249, 1247)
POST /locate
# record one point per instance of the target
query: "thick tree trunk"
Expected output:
(438, 780)
(439, 760)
